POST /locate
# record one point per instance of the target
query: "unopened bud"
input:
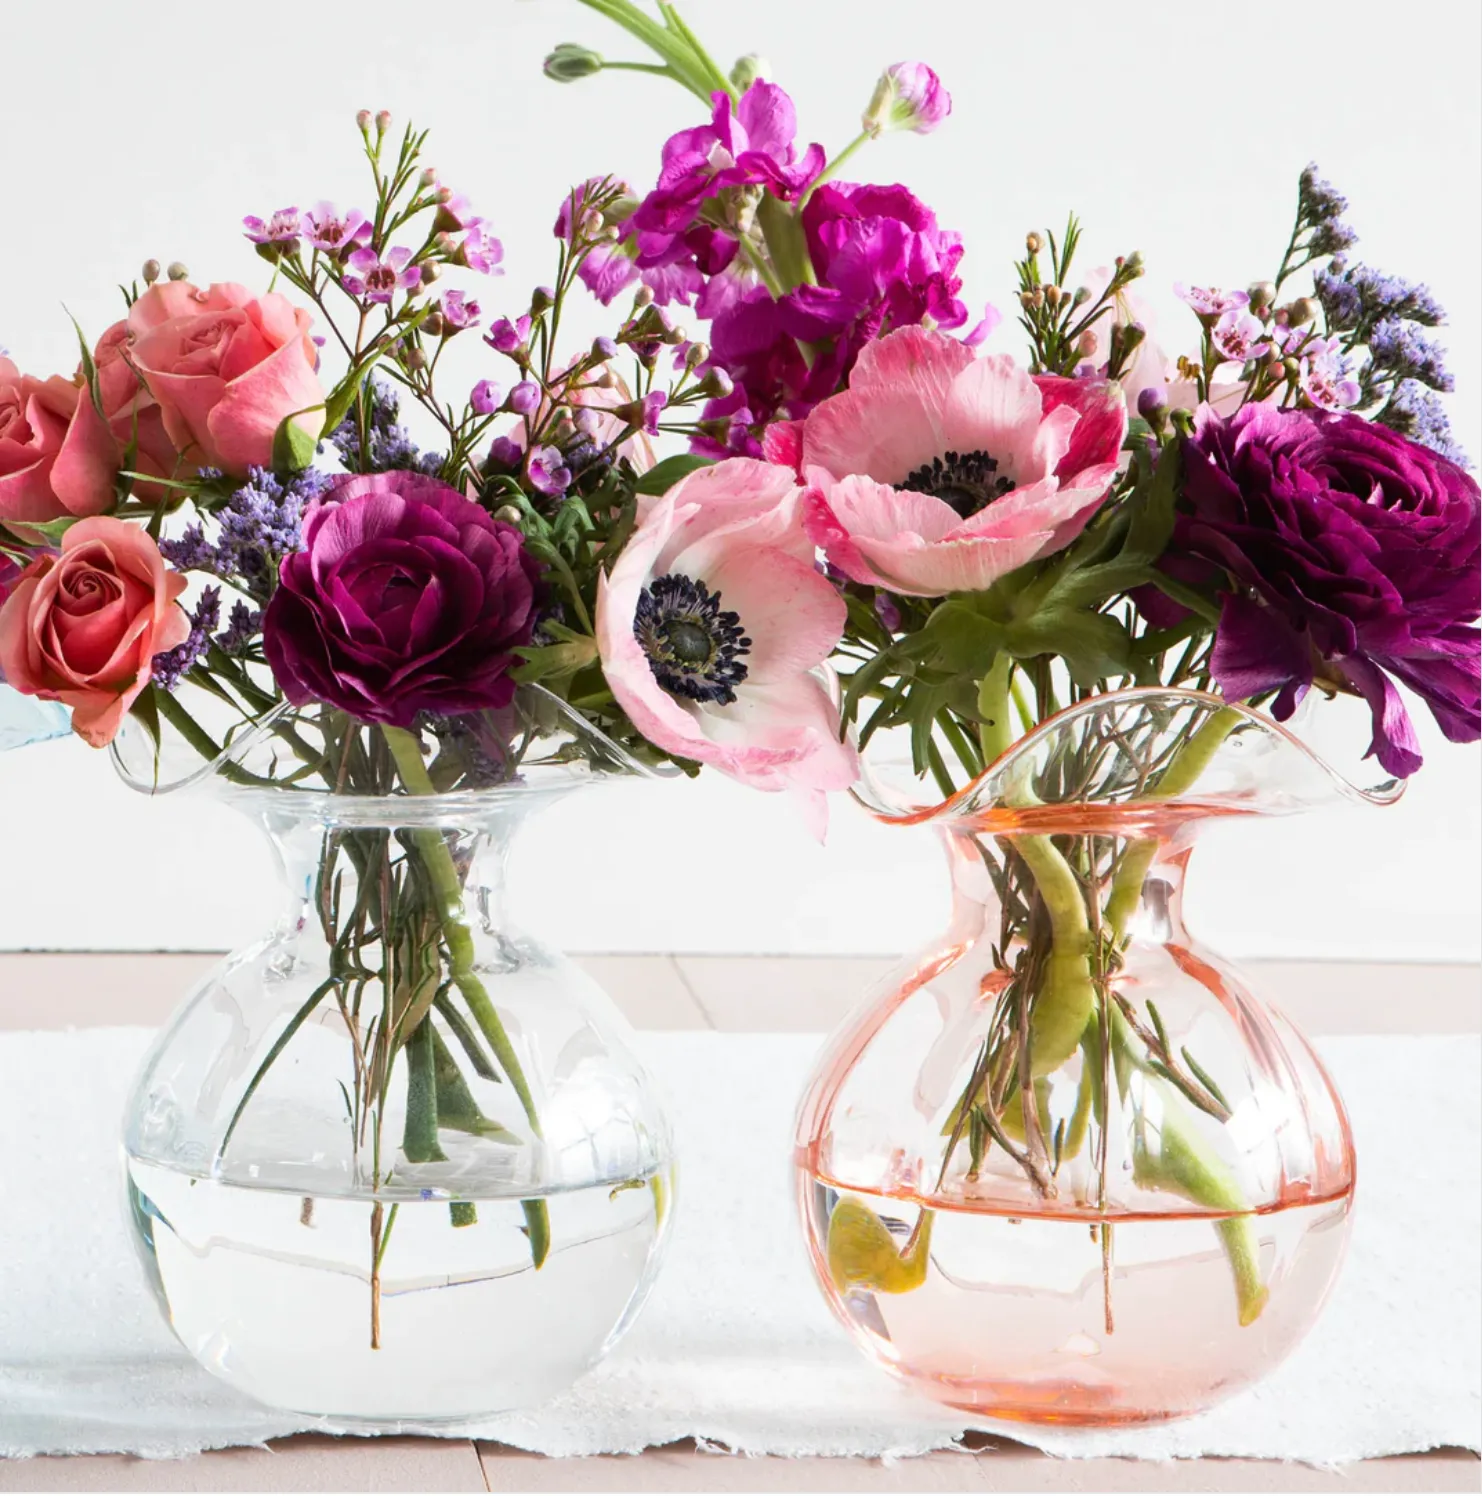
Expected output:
(605, 380)
(1262, 294)
(428, 177)
(177, 271)
(443, 195)
(508, 514)
(1302, 311)
(1081, 297)
(383, 121)
(1033, 243)
(432, 324)
(675, 335)
(717, 384)
(430, 271)
(413, 357)
(542, 299)
(570, 61)
(643, 297)
(1134, 262)
(1026, 300)
(1132, 335)
(1052, 295)
(1292, 367)
(1037, 296)
(1152, 406)
(151, 272)
(748, 70)
(1087, 343)
(698, 354)
(603, 349)
(363, 121)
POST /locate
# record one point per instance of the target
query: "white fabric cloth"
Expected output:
(736, 1346)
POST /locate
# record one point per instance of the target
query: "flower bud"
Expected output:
(698, 354)
(1026, 300)
(508, 514)
(1132, 335)
(1302, 311)
(432, 324)
(486, 398)
(383, 121)
(430, 271)
(605, 380)
(1087, 343)
(1152, 406)
(643, 297)
(1261, 293)
(909, 96)
(675, 335)
(1081, 297)
(750, 69)
(151, 272)
(177, 271)
(363, 121)
(1134, 262)
(716, 384)
(1033, 243)
(1052, 295)
(412, 357)
(1292, 366)
(523, 398)
(603, 349)
(542, 299)
(570, 61)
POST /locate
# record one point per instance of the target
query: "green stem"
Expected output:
(687, 68)
(1178, 778)
(833, 166)
(438, 861)
(786, 242)
(996, 733)
(419, 1138)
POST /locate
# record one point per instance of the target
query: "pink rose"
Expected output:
(711, 625)
(83, 627)
(57, 456)
(226, 368)
(132, 413)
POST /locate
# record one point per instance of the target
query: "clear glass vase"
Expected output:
(1066, 1167)
(397, 1162)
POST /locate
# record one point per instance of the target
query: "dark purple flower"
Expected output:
(333, 232)
(378, 278)
(283, 228)
(505, 453)
(1344, 552)
(407, 597)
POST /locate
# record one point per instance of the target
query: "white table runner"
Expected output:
(736, 1346)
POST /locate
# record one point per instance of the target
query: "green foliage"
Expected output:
(293, 446)
(662, 476)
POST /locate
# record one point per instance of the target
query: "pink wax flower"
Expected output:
(379, 277)
(1210, 302)
(1239, 336)
(333, 232)
(505, 336)
(282, 229)
(481, 251)
(712, 623)
(83, 626)
(459, 310)
(938, 472)
(227, 368)
(486, 398)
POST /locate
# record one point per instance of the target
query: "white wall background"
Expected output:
(141, 130)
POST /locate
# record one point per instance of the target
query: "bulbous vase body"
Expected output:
(1066, 1166)
(397, 1162)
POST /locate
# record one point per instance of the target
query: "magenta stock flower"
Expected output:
(939, 472)
(283, 228)
(711, 624)
(332, 232)
(1344, 552)
(909, 96)
(378, 278)
(406, 598)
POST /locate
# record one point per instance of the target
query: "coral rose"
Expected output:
(57, 455)
(83, 626)
(711, 624)
(938, 472)
(227, 368)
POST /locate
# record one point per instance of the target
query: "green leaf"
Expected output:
(89, 368)
(1152, 509)
(342, 397)
(1093, 645)
(44, 533)
(293, 446)
(662, 476)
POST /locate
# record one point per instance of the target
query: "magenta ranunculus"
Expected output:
(406, 598)
(1346, 553)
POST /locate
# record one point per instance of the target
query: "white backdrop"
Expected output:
(1176, 129)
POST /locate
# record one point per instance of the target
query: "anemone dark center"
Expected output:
(694, 645)
(968, 481)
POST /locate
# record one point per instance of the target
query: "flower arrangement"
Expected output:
(221, 509)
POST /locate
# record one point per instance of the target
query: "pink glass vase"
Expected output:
(1066, 1167)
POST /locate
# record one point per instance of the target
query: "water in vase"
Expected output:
(405, 1307)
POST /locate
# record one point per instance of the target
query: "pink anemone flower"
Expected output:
(937, 471)
(711, 626)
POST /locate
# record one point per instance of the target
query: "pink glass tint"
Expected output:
(1108, 1213)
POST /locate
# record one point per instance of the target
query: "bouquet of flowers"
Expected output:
(218, 532)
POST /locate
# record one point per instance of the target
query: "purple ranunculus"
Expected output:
(407, 597)
(1345, 553)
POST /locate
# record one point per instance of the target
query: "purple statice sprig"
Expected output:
(387, 447)
(243, 625)
(1417, 412)
(168, 667)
